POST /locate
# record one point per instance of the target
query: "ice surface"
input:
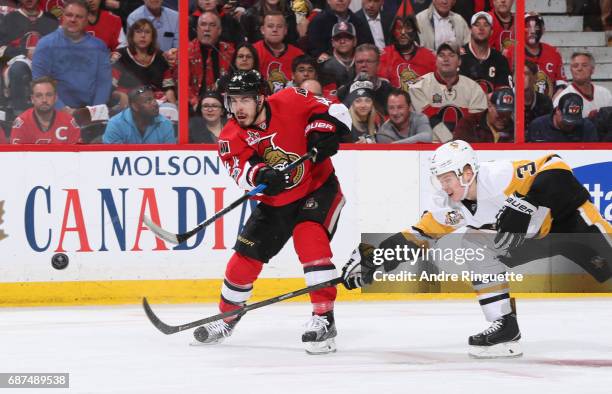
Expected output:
(383, 347)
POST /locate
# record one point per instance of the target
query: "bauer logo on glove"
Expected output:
(513, 221)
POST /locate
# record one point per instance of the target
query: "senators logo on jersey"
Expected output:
(277, 79)
(279, 159)
(406, 76)
(543, 84)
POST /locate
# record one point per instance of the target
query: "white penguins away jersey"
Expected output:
(496, 180)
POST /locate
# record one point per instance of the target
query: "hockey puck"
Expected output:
(59, 261)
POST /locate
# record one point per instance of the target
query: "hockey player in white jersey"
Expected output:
(511, 207)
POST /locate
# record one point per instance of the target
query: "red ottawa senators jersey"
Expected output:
(27, 130)
(56, 7)
(501, 38)
(290, 115)
(276, 70)
(107, 28)
(550, 68)
(402, 73)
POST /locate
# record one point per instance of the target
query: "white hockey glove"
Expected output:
(513, 221)
(360, 268)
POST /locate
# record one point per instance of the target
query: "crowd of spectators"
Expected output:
(81, 71)
(410, 71)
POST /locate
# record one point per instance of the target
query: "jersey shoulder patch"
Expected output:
(301, 91)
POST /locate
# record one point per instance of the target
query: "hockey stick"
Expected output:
(168, 329)
(182, 237)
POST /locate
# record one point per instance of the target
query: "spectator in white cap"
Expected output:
(438, 24)
(479, 61)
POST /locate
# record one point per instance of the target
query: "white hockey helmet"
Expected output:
(453, 156)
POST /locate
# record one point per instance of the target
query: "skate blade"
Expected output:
(502, 350)
(323, 347)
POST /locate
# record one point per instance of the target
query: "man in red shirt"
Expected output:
(105, 26)
(550, 76)
(209, 58)
(262, 138)
(275, 56)
(503, 25)
(403, 62)
(42, 124)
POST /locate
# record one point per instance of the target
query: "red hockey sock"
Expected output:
(312, 246)
(237, 287)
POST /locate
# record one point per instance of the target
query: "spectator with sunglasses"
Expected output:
(140, 123)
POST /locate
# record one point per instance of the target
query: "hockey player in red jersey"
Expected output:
(43, 124)
(551, 75)
(262, 138)
(404, 62)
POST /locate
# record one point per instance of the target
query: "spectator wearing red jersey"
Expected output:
(253, 18)
(141, 63)
(209, 58)
(504, 34)
(55, 7)
(550, 76)
(105, 26)
(43, 124)
(404, 61)
(275, 57)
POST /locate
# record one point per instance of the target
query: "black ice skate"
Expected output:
(499, 340)
(214, 333)
(320, 333)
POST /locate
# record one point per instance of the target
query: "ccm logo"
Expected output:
(319, 126)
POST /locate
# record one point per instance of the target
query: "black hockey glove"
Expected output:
(327, 144)
(393, 242)
(513, 221)
(360, 268)
(275, 179)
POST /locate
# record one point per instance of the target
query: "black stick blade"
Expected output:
(160, 325)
